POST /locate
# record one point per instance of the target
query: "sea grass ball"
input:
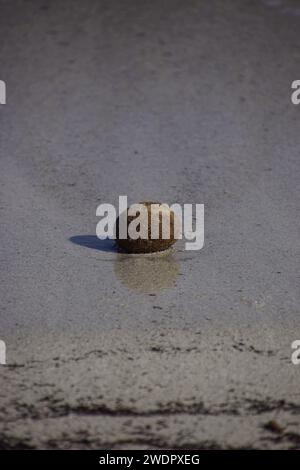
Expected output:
(148, 245)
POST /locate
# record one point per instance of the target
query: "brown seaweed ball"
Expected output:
(143, 221)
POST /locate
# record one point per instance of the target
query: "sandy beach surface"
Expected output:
(176, 101)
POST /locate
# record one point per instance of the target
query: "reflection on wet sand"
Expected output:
(147, 273)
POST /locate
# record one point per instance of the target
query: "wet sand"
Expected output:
(174, 101)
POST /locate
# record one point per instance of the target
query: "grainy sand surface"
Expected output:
(179, 101)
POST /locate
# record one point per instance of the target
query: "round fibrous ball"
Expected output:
(143, 222)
